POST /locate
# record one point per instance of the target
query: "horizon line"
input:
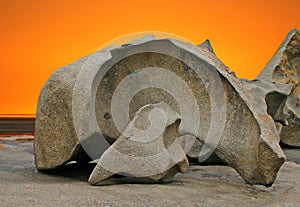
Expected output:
(17, 115)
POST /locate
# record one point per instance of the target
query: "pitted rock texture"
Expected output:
(56, 142)
(284, 68)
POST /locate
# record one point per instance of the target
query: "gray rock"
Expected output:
(147, 149)
(284, 68)
(56, 142)
(88, 106)
(206, 45)
(269, 97)
(193, 146)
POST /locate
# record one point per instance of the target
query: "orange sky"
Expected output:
(38, 37)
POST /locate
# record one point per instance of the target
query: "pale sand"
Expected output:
(22, 185)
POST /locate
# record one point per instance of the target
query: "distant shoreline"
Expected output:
(16, 124)
(17, 115)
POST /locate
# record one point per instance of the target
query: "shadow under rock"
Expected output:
(82, 171)
(72, 170)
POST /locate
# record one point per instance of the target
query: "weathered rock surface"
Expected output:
(54, 114)
(56, 142)
(148, 149)
(77, 107)
(284, 68)
(268, 98)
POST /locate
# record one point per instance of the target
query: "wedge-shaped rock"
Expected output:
(87, 105)
(148, 148)
(284, 68)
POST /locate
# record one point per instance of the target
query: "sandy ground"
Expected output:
(22, 185)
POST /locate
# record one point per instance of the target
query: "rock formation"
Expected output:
(86, 106)
(284, 69)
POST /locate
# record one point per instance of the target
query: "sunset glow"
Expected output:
(38, 37)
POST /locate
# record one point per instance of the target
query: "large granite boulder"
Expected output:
(84, 107)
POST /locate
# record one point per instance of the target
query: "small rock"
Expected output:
(147, 149)
(206, 45)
